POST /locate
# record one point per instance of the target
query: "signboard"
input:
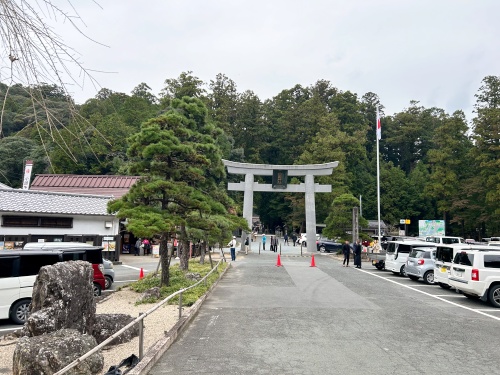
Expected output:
(27, 174)
(156, 251)
(431, 228)
(280, 179)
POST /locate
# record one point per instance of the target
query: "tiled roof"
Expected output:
(3, 186)
(28, 201)
(84, 184)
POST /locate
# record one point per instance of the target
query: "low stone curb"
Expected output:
(161, 346)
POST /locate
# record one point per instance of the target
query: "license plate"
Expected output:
(459, 274)
(443, 269)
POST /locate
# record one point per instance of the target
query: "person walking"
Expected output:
(264, 241)
(232, 247)
(294, 239)
(137, 246)
(147, 246)
(357, 254)
(346, 250)
(247, 242)
(285, 238)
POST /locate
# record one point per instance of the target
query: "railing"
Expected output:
(139, 320)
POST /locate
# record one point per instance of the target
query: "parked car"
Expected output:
(19, 268)
(446, 240)
(303, 239)
(328, 246)
(444, 258)
(420, 264)
(397, 254)
(109, 272)
(476, 273)
(78, 251)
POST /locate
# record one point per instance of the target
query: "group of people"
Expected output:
(274, 243)
(142, 244)
(356, 250)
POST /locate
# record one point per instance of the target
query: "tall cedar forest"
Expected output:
(433, 165)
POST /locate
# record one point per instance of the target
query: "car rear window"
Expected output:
(404, 248)
(464, 259)
(444, 254)
(492, 261)
(31, 264)
(450, 240)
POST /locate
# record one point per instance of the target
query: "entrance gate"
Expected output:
(280, 174)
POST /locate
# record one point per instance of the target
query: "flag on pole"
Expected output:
(379, 127)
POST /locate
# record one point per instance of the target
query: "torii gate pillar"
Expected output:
(280, 174)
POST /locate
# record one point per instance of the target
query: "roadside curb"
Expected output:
(161, 346)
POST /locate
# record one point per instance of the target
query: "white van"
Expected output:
(19, 269)
(445, 240)
(444, 259)
(397, 254)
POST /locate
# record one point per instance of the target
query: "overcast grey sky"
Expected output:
(433, 51)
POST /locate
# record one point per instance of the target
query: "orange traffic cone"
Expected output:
(313, 263)
(278, 262)
(141, 274)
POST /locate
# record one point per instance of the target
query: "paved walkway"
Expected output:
(264, 319)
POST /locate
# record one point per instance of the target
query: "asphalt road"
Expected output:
(297, 319)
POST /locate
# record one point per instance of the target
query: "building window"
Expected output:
(34, 221)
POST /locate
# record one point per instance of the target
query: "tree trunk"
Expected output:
(184, 257)
(203, 247)
(164, 260)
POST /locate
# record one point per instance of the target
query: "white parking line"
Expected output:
(456, 295)
(433, 296)
(134, 268)
(492, 310)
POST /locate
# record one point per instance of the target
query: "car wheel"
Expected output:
(445, 286)
(414, 278)
(97, 290)
(109, 282)
(322, 248)
(402, 271)
(20, 311)
(494, 295)
(429, 277)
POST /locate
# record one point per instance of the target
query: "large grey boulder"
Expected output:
(108, 324)
(49, 353)
(62, 298)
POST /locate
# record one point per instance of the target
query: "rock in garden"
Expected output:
(62, 298)
(195, 276)
(49, 353)
(153, 293)
(108, 324)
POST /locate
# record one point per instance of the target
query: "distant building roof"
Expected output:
(373, 224)
(116, 186)
(29, 201)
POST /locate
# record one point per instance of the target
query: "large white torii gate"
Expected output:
(280, 172)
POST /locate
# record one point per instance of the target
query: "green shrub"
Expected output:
(178, 281)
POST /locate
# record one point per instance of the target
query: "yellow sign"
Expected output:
(407, 221)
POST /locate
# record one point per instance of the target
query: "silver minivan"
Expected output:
(420, 264)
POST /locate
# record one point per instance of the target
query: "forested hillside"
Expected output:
(434, 165)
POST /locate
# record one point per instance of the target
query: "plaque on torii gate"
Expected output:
(280, 183)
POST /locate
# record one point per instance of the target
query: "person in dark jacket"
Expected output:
(346, 250)
(357, 254)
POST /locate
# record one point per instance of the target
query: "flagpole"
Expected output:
(378, 136)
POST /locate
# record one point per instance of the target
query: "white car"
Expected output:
(303, 239)
(444, 260)
(397, 254)
(476, 273)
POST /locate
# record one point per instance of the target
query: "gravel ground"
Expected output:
(123, 301)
